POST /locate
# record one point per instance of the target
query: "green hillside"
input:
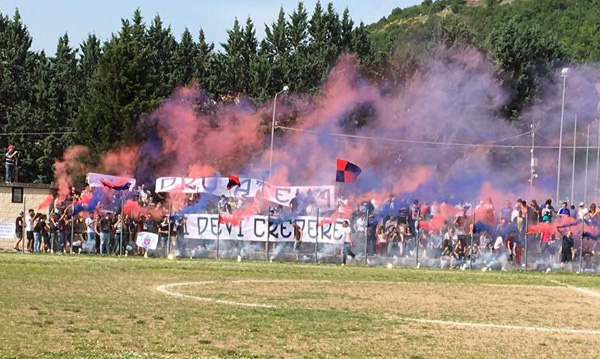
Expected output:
(575, 23)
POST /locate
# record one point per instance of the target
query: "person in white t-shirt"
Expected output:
(90, 225)
(583, 212)
(347, 238)
(29, 223)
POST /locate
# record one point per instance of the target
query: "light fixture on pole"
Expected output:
(285, 89)
(564, 73)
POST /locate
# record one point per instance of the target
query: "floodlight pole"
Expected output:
(564, 74)
(597, 161)
(268, 234)
(573, 168)
(367, 240)
(587, 160)
(285, 89)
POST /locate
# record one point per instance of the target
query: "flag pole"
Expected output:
(218, 230)
(268, 234)
(317, 237)
(472, 237)
(73, 226)
(526, 234)
(367, 238)
(23, 236)
(417, 239)
(169, 236)
(122, 224)
(581, 246)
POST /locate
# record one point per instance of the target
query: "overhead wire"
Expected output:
(433, 143)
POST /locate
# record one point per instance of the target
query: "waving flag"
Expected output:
(121, 187)
(234, 181)
(346, 171)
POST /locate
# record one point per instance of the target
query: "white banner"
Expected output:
(93, 179)
(254, 228)
(322, 196)
(147, 240)
(7, 230)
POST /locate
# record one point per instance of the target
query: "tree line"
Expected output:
(98, 92)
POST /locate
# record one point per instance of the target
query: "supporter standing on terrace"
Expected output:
(90, 225)
(566, 249)
(536, 212)
(347, 238)
(118, 226)
(297, 236)
(582, 212)
(506, 211)
(105, 228)
(163, 232)
(18, 231)
(564, 211)
(29, 229)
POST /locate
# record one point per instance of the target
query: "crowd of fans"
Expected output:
(453, 235)
(465, 234)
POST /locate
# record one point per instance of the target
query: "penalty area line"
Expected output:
(502, 326)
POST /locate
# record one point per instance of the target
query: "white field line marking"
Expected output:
(167, 290)
(579, 289)
(502, 326)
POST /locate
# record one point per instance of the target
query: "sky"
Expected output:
(47, 20)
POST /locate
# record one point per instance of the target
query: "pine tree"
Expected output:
(122, 91)
(346, 29)
(90, 56)
(185, 56)
(317, 52)
(276, 50)
(204, 64)
(248, 54)
(298, 43)
(162, 46)
(231, 80)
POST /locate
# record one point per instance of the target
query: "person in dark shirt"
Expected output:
(566, 250)
(105, 229)
(295, 203)
(18, 231)
(163, 232)
(297, 236)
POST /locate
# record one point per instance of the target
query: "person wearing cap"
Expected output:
(10, 161)
(582, 212)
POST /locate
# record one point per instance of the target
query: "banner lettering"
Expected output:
(255, 228)
(321, 196)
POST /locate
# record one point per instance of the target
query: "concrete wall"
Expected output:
(33, 195)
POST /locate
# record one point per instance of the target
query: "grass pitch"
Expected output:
(90, 307)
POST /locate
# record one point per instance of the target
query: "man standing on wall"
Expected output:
(10, 161)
